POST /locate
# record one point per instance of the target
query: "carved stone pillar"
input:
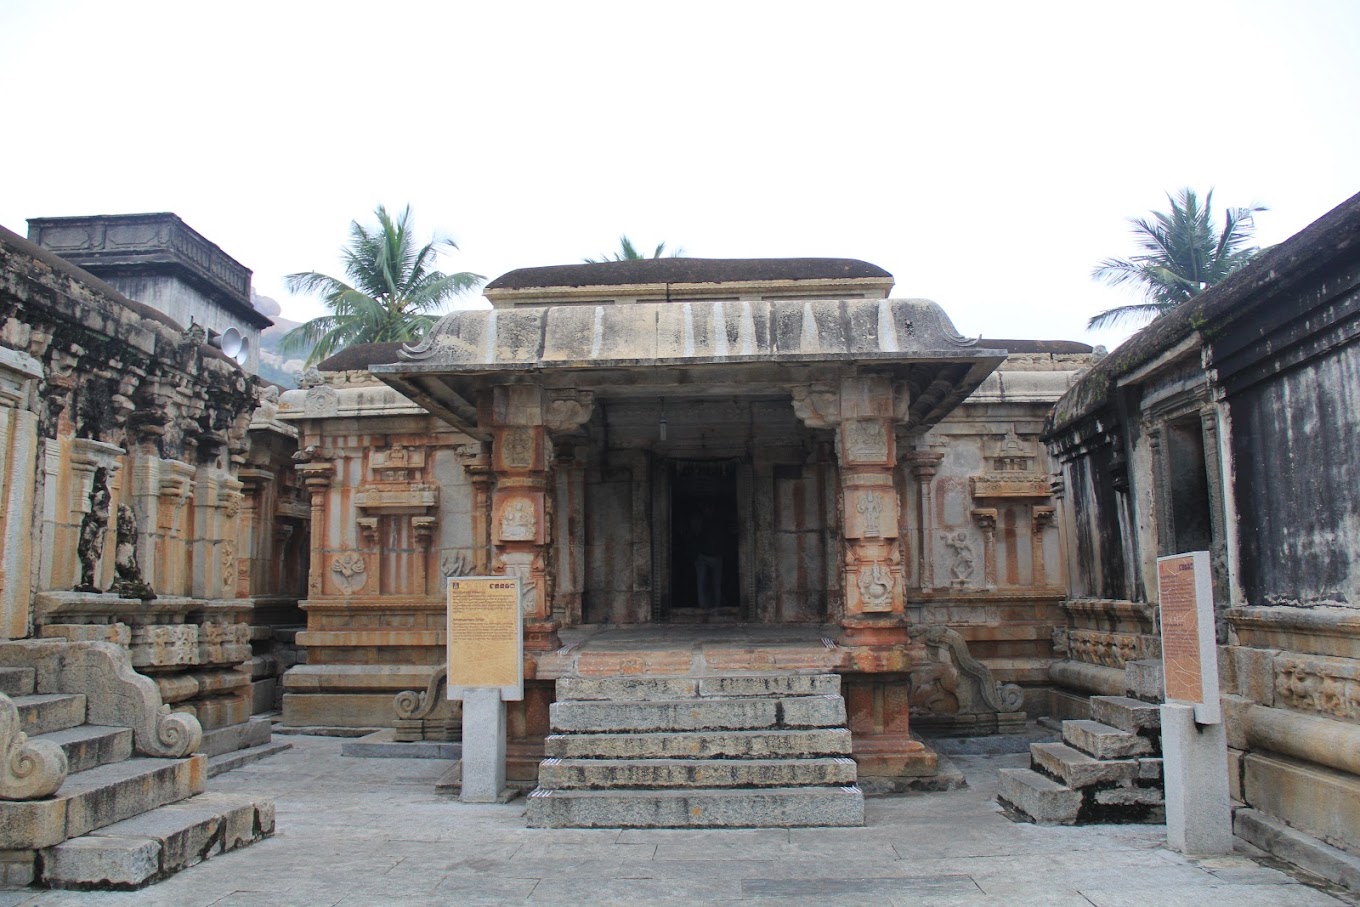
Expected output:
(863, 411)
(924, 465)
(521, 505)
(985, 517)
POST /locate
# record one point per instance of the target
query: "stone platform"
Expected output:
(692, 649)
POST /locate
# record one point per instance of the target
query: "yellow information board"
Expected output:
(485, 633)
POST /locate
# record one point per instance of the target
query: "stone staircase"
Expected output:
(1106, 769)
(89, 801)
(757, 750)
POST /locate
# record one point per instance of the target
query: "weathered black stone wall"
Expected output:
(1293, 391)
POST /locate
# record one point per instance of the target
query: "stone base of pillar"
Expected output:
(541, 635)
(893, 756)
(865, 630)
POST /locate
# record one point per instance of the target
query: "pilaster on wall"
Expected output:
(18, 467)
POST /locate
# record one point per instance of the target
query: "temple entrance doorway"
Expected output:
(704, 527)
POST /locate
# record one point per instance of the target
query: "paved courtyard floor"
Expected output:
(372, 831)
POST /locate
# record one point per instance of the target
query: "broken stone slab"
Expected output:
(803, 807)
(1039, 798)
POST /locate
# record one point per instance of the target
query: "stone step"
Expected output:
(579, 774)
(1076, 769)
(234, 760)
(1038, 797)
(1132, 715)
(98, 798)
(149, 847)
(797, 807)
(18, 681)
(1104, 742)
(91, 745)
(43, 713)
(697, 745)
(699, 714)
(670, 688)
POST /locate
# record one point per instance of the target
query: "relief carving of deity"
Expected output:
(519, 448)
(870, 509)
(517, 521)
(866, 442)
(962, 567)
(875, 588)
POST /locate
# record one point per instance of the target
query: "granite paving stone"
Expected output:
(355, 831)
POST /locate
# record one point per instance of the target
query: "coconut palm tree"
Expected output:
(1183, 255)
(393, 291)
(628, 252)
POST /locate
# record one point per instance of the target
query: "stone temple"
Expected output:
(776, 530)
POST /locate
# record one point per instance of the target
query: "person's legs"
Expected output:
(708, 575)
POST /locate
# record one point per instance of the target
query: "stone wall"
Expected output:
(1229, 426)
(122, 440)
(393, 499)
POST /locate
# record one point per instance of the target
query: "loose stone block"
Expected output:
(1076, 769)
(1042, 799)
(1104, 742)
(1132, 715)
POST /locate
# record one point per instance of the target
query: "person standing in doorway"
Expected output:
(708, 561)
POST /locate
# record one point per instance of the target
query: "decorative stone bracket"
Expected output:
(29, 769)
(954, 676)
(414, 709)
(115, 694)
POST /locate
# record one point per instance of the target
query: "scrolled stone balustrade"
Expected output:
(29, 769)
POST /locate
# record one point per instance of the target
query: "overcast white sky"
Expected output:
(986, 153)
